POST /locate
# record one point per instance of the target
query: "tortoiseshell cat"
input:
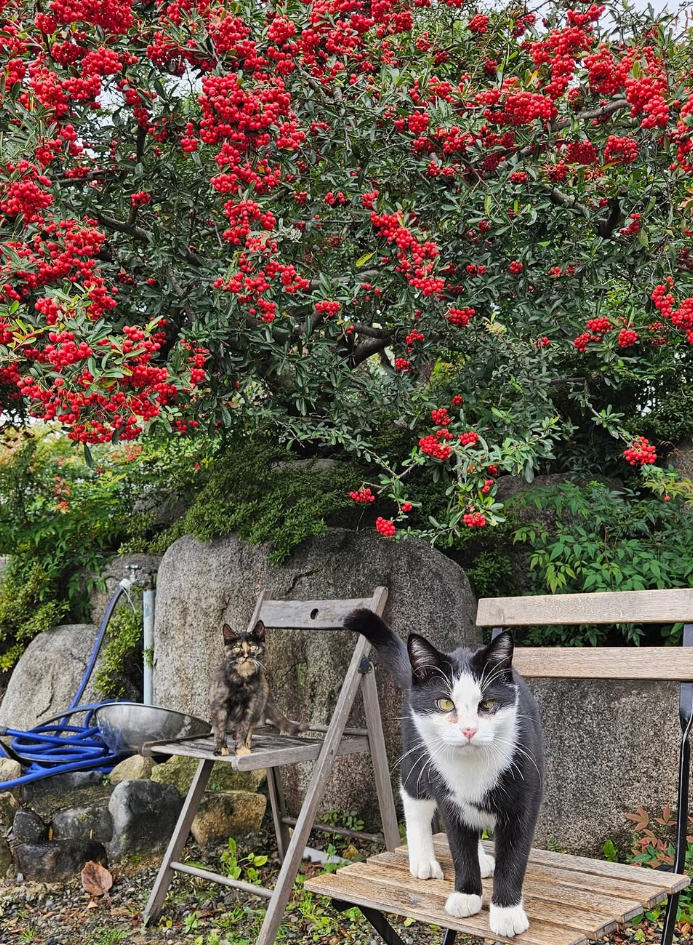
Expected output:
(239, 696)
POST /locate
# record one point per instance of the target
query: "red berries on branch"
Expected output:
(363, 495)
(385, 526)
(641, 453)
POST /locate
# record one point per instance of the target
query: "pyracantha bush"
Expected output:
(220, 214)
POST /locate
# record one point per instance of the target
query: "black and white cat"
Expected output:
(473, 749)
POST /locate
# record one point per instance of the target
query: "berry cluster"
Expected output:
(641, 453)
(363, 495)
(474, 519)
(385, 526)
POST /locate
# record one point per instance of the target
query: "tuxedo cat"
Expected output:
(473, 750)
(240, 696)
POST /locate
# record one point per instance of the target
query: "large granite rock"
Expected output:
(202, 585)
(47, 676)
(681, 458)
(611, 746)
(112, 575)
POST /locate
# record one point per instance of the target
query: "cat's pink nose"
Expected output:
(469, 731)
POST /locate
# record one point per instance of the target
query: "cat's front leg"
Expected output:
(244, 738)
(418, 815)
(220, 721)
(464, 846)
(507, 915)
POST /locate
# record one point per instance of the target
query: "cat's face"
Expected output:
(465, 700)
(245, 651)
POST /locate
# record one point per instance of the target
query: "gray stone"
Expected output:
(681, 458)
(72, 789)
(131, 769)
(84, 823)
(28, 827)
(55, 861)
(47, 676)
(9, 805)
(179, 772)
(611, 746)
(227, 814)
(6, 860)
(9, 769)
(200, 585)
(111, 576)
(144, 814)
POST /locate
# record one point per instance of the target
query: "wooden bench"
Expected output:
(568, 899)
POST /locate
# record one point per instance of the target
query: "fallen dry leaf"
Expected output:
(96, 879)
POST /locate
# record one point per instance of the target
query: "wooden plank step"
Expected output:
(592, 874)
(416, 899)
(672, 882)
(621, 909)
(593, 923)
(268, 750)
(648, 894)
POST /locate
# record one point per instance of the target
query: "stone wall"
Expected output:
(611, 746)
(202, 585)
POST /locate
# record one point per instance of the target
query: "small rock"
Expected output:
(144, 814)
(5, 858)
(84, 823)
(179, 772)
(60, 784)
(28, 827)
(228, 814)
(132, 769)
(9, 805)
(56, 860)
(73, 789)
(9, 769)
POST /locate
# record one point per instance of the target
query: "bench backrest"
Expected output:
(312, 614)
(647, 662)
(633, 662)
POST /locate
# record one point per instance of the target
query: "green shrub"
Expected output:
(246, 494)
(605, 539)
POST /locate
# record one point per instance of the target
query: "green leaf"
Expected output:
(364, 259)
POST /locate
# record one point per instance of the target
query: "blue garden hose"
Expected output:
(56, 747)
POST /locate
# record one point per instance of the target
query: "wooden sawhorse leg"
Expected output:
(278, 805)
(177, 842)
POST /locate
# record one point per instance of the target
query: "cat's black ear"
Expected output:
(229, 635)
(259, 630)
(424, 657)
(499, 652)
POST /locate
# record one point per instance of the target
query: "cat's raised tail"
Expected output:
(390, 648)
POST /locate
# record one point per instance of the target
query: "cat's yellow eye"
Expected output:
(487, 704)
(445, 705)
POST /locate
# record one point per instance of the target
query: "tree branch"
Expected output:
(120, 226)
(363, 352)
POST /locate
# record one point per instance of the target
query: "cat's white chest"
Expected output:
(469, 779)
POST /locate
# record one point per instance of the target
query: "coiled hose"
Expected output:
(56, 747)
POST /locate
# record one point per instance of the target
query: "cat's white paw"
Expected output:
(508, 920)
(486, 862)
(462, 905)
(425, 867)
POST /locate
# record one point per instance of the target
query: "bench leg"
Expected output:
(376, 919)
(450, 937)
(670, 919)
(153, 908)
